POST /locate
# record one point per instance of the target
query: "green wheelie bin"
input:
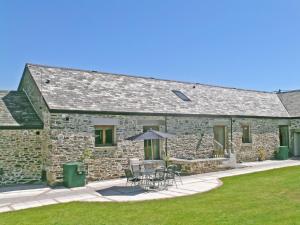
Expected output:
(282, 153)
(74, 174)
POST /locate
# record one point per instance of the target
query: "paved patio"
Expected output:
(28, 196)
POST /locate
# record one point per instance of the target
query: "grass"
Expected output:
(271, 197)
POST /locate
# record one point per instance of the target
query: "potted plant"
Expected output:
(86, 155)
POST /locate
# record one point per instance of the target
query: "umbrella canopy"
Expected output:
(150, 135)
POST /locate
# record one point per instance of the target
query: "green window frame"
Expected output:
(246, 137)
(104, 136)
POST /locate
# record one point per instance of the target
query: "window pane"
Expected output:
(109, 136)
(181, 95)
(155, 148)
(98, 137)
(147, 150)
(246, 134)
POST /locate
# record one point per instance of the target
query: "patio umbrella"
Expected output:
(151, 135)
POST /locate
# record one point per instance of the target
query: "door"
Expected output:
(219, 139)
(296, 150)
(151, 147)
(284, 135)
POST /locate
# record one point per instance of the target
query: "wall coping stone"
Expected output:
(197, 160)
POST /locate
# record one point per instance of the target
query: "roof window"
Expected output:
(180, 95)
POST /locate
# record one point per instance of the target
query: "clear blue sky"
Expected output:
(248, 44)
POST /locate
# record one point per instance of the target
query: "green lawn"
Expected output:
(271, 197)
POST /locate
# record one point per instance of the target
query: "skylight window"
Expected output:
(180, 95)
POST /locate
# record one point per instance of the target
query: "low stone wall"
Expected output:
(152, 164)
(20, 156)
(197, 166)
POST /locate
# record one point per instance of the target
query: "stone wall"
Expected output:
(294, 124)
(72, 134)
(29, 86)
(194, 137)
(264, 135)
(68, 136)
(106, 168)
(20, 156)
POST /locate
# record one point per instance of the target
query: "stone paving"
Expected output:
(23, 197)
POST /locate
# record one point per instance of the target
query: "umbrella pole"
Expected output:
(166, 148)
(166, 151)
(152, 149)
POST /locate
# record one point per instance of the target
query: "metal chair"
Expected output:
(131, 178)
(177, 172)
(159, 179)
(170, 176)
(135, 169)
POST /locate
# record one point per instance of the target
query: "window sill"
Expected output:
(246, 144)
(152, 160)
(106, 147)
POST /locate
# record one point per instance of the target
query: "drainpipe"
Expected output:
(166, 140)
(231, 138)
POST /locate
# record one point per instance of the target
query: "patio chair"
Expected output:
(131, 178)
(170, 176)
(159, 179)
(135, 169)
(177, 172)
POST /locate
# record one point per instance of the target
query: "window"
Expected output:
(151, 147)
(104, 136)
(284, 135)
(180, 95)
(246, 138)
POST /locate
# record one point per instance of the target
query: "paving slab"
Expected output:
(16, 198)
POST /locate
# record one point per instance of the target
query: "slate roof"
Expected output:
(16, 111)
(82, 90)
(291, 101)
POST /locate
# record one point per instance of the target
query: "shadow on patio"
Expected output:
(121, 191)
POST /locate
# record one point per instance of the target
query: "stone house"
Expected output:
(58, 114)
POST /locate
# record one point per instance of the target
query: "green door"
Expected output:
(219, 139)
(151, 147)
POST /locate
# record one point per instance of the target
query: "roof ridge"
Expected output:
(7, 91)
(151, 78)
(291, 91)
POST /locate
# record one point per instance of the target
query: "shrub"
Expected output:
(261, 154)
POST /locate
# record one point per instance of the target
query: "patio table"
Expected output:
(148, 178)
